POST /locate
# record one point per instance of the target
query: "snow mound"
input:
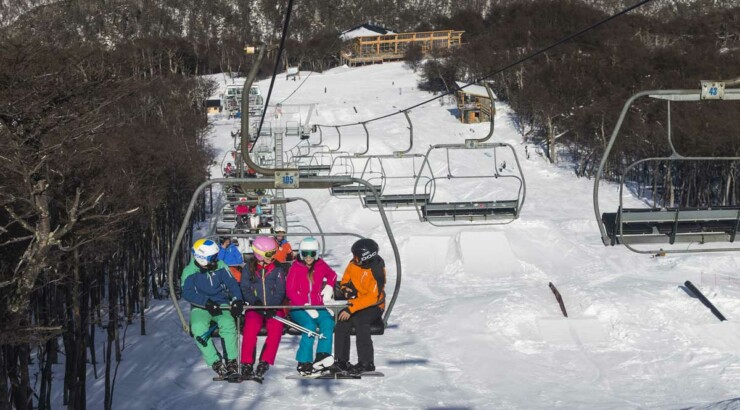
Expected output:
(488, 254)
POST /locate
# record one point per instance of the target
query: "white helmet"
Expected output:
(205, 253)
(309, 247)
(279, 229)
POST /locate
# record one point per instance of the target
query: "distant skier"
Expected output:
(363, 284)
(230, 254)
(311, 282)
(207, 285)
(263, 284)
(285, 251)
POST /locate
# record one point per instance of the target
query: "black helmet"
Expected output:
(365, 252)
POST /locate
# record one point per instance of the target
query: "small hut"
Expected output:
(473, 104)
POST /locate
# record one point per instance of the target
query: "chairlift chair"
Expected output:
(366, 168)
(263, 183)
(394, 201)
(469, 212)
(673, 227)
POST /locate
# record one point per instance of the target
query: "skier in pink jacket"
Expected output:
(311, 281)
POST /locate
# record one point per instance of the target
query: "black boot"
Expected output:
(262, 368)
(219, 368)
(247, 370)
(362, 367)
(305, 369)
(340, 366)
(232, 368)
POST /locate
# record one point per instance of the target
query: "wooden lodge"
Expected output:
(370, 49)
(473, 104)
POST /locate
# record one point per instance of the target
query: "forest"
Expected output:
(102, 127)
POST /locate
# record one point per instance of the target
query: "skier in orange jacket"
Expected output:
(363, 284)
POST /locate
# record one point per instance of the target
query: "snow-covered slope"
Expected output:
(476, 325)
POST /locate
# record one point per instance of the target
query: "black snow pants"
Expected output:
(361, 321)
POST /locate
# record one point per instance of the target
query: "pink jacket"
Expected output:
(300, 290)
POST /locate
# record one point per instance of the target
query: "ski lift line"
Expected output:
(511, 65)
(264, 183)
(671, 225)
(277, 65)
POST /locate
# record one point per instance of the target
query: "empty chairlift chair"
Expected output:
(394, 184)
(675, 228)
(496, 180)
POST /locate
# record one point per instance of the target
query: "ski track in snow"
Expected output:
(464, 332)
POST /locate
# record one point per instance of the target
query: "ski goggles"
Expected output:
(305, 254)
(269, 254)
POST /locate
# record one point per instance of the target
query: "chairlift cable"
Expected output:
(511, 65)
(274, 73)
(299, 86)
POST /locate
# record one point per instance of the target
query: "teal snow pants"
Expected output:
(325, 322)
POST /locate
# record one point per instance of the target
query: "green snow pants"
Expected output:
(200, 321)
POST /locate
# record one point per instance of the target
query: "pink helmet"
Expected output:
(264, 246)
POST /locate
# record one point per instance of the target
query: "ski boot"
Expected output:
(259, 373)
(232, 371)
(305, 369)
(323, 362)
(339, 366)
(247, 371)
(220, 370)
(361, 367)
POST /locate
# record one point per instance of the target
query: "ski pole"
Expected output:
(203, 339)
(298, 327)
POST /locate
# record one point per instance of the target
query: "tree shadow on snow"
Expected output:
(720, 405)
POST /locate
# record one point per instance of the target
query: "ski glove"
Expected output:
(212, 308)
(312, 312)
(327, 294)
(237, 307)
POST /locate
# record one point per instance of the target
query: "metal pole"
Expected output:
(411, 137)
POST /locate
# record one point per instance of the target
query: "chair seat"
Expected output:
(351, 190)
(680, 225)
(395, 200)
(470, 210)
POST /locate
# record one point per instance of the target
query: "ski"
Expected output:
(335, 376)
(235, 378)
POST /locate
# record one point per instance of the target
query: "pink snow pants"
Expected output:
(252, 324)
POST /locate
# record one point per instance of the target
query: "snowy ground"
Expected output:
(476, 325)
